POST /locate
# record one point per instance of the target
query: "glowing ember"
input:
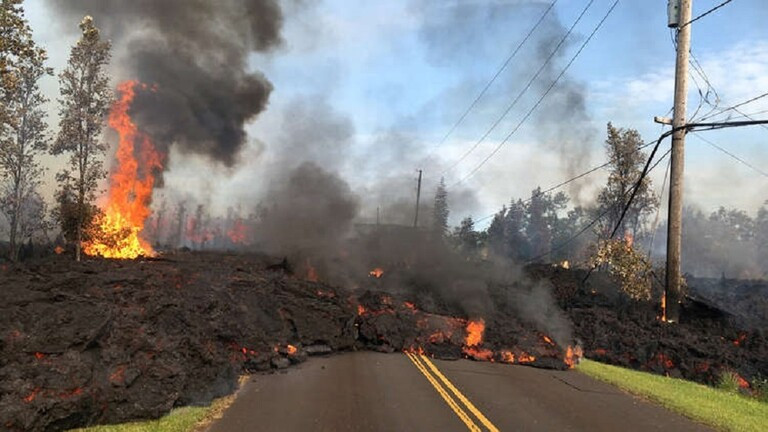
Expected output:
(376, 273)
(507, 357)
(547, 340)
(58, 250)
(360, 309)
(118, 229)
(526, 358)
(664, 307)
(740, 340)
(29, 398)
(410, 306)
(291, 349)
(742, 382)
(39, 355)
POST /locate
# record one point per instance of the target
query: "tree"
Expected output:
(626, 164)
(467, 238)
(440, 210)
(16, 46)
(24, 140)
(542, 214)
(86, 99)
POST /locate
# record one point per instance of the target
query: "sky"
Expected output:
(383, 82)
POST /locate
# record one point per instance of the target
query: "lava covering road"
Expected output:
(108, 341)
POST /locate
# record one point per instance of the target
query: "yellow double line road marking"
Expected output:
(424, 365)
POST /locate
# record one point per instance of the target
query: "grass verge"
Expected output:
(185, 419)
(717, 408)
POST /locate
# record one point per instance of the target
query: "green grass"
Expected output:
(717, 408)
(179, 420)
(185, 419)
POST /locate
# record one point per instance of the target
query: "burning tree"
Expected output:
(23, 138)
(86, 98)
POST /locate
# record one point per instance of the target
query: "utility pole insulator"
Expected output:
(673, 13)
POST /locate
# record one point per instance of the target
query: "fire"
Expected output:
(118, 230)
(291, 349)
(573, 356)
(507, 357)
(376, 273)
(526, 358)
(565, 264)
(664, 307)
(547, 340)
(475, 331)
(238, 233)
(360, 309)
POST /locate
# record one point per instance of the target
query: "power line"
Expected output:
(565, 182)
(738, 159)
(734, 107)
(706, 13)
(587, 226)
(658, 209)
(541, 99)
(523, 91)
(493, 79)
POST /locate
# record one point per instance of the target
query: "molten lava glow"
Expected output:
(360, 309)
(118, 230)
(376, 273)
(507, 357)
(58, 250)
(410, 306)
(481, 354)
(665, 361)
(291, 349)
(311, 273)
(39, 355)
(740, 340)
(526, 358)
(742, 382)
(475, 331)
(238, 233)
(573, 356)
(547, 340)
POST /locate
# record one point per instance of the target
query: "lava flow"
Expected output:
(117, 233)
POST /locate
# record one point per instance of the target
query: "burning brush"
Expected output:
(117, 231)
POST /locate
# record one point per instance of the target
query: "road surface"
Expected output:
(397, 392)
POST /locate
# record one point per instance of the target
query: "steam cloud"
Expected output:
(196, 52)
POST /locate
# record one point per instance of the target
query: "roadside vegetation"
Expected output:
(724, 408)
(185, 419)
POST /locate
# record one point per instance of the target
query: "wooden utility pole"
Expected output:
(418, 198)
(674, 227)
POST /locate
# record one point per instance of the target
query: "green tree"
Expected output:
(542, 219)
(86, 99)
(626, 164)
(24, 140)
(440, 210)
(467, 238)
(16, 46)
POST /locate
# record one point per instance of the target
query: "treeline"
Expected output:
(545, 228)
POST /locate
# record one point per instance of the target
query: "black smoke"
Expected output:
(196, 53)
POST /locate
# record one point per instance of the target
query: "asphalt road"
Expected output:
(397, 392)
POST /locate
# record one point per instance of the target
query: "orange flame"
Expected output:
(376, 273)
(118, 234)
(291, 349)
(547, 340)
(475, 331)
(573, 356)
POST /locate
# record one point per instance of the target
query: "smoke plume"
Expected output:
(196, 54)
